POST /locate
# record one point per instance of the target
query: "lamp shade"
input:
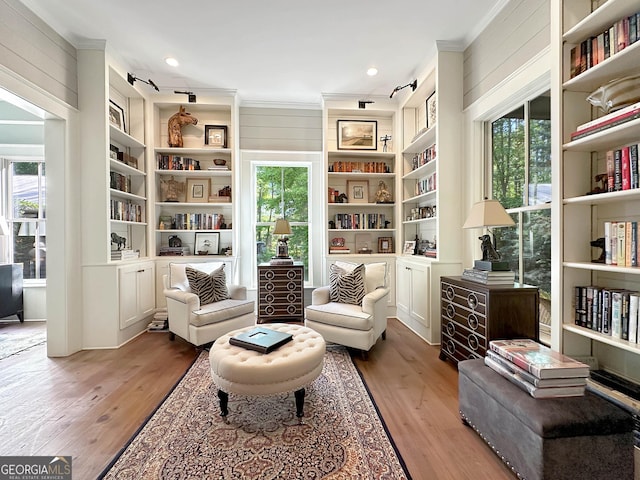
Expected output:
(282, 227)
(488, 213)
(4, 227)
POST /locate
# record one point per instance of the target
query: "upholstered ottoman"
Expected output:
(287, 369)
(557, 438)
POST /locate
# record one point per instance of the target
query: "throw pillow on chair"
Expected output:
(211, 287)
(346, 286)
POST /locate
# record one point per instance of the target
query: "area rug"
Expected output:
(341, 435)
(18, 340)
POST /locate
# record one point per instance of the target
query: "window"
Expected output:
(282, 191)
(521, 180)
(27, 215)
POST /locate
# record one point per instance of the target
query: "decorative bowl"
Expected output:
(219, 161)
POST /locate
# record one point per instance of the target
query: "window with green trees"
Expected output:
(521, 181)
(282, 192)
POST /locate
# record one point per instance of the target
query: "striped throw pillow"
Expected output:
(345, 286)
(209, 288)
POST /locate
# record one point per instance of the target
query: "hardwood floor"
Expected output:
(89, 404)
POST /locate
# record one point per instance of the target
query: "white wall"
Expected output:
(268, 128)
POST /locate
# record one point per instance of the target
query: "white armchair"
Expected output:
(200, 324)
(352, 325)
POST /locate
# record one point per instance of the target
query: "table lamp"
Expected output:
(484, 214)
(282, 228)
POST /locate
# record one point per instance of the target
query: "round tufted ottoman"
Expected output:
(287, 369)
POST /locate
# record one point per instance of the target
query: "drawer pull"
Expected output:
(291, 274)
(451, 347)
(269, 286)
(451, 312)
(450, 292)
(292, 297)
(269, 274)
(472, 341)
(472, 300)
(269, 310)
(292, 286)
(269, 298)
(451, 329)
(291, 309)
(473, 321)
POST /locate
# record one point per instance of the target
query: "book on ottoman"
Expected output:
(260, 339)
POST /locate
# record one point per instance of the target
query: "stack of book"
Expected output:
(160, 322)
(125, 254)
(536, 369)
(339, 249)
(613, 119)
(172, 251)
(489, 277)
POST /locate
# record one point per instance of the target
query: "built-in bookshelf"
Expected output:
(194, 183)
(586, 203)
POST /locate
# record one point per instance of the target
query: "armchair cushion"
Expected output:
(346, 286)
(209, 288)
(178, 276)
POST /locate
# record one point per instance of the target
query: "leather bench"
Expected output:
(567, 438)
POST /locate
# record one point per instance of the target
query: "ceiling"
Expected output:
(275, 51)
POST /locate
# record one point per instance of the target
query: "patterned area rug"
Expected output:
(341, 435)
(20, 337)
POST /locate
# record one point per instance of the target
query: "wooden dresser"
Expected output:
(11, 290)
(280, 293)
(473, 314)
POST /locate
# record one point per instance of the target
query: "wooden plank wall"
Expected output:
(33, 50)
(519, 32)
(294, 129)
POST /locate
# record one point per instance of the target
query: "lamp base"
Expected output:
(491, 266)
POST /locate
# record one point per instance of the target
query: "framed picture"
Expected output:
(358, 191)
(215, 136)
(198, 190)
(116, 116)
(385, 245)
(357, 135)
(431, 110)
(409, 246)
(207, 243)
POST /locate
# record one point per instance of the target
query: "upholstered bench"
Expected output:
(289, 368)
(558, 438)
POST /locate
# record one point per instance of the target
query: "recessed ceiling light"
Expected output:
(372, 71)
(171, 61)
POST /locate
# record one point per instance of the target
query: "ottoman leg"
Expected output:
(224, 401)
(299, 394)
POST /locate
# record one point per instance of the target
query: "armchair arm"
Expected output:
(371, 299)
(238, 292)
(189, 299)
(320, 295)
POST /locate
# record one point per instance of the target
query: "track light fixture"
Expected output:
(192, 97)
(363, 103)
(132, 78)
(413, 86)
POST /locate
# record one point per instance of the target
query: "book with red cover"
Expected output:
(538, 359)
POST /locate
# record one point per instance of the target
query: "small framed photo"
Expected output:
(357, 135)
(385, 245)
(431, 110)
(409, 247)
(198, 190)
(116, 116)
(358, 191)
(207, 243)
(215, 136)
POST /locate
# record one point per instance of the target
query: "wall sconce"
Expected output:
(132, 78)
(192, 97)
(363, 103)
(413, 86)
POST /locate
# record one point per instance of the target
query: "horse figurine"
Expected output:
(118, 240)
(175, 123)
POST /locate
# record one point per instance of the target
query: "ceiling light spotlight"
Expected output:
(372, 71)
(132, 78)
(192, 97)
(363, 103)
(171, 61)
(413, 86)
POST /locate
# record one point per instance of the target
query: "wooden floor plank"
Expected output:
(89, 404)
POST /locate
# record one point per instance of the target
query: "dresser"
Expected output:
(280, 293)
(11, 290)
(473, 314)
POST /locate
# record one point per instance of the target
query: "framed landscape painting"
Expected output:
(357, 135)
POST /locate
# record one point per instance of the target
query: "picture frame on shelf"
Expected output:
(197, 190)
(432, 110)
(165, 222)
(385, 245)
(116, 116)
(207, 243)
(357, 134)
(215, 136)
(358, 191)
(409, 247)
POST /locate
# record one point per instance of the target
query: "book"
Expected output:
(535, 392)
(538, 359)
(532, 379)
(261, 339)
(489, 277)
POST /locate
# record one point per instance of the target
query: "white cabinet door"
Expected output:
(146, 291)
(420, 294)
(128, 293)
(403, 293)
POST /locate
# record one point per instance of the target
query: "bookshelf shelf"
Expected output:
(606, 339)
